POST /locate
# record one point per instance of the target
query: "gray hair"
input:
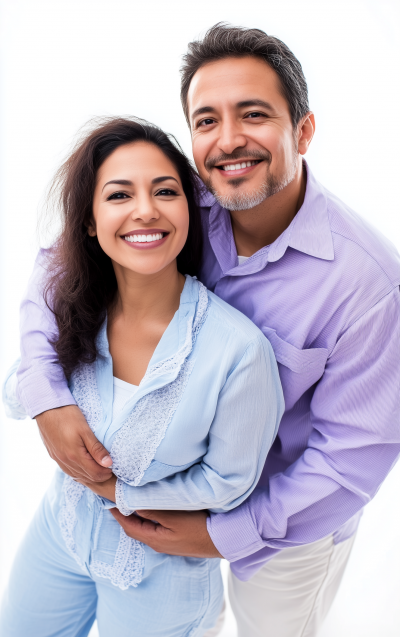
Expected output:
(223, 41)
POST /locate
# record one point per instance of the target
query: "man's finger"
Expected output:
(93, 472)
(137, 528)
(96, 449)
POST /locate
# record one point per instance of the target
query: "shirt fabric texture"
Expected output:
(326, 296)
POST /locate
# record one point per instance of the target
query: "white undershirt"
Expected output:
(242, 259)
(123, 391)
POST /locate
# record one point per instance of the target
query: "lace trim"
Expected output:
(136, 442)
(133, 449)
(175, 361)
(67, 518)
(127, 569)
(119, 499)
(86, 394)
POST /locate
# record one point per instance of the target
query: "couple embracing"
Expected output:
(212, 358)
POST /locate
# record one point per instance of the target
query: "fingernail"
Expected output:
(106, 461)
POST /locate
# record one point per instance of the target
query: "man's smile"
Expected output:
(238, 168)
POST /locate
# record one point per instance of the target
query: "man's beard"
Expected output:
(245, 201)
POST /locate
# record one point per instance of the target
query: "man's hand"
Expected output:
(177, 532)
(104, 489)
(72, 444)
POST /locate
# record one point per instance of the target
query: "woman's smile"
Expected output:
(145, 239)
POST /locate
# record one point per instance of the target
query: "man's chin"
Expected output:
(238, 199)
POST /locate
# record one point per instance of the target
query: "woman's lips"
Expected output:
(140, 243)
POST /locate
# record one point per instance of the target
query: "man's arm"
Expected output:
(355, 442)
(43, 389)
(355, 413)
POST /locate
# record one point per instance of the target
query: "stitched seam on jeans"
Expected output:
(317, 596)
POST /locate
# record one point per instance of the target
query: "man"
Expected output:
(323, 287)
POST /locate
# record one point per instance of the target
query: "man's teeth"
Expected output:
(143, 238)
(244, 164)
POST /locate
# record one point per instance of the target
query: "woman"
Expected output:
(181, 388)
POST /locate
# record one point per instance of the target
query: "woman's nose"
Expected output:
(145, 210)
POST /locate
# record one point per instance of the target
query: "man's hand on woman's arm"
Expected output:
(72, 444)
(172, 532)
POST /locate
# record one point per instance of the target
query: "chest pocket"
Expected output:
(299, 369)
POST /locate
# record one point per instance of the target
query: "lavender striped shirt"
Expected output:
(326, 295)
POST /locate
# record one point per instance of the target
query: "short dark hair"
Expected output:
(82, 285)
(224, 41)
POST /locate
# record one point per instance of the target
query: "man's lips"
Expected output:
(238, 168)
(145, 239)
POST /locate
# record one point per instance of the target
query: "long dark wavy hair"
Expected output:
(82, 285)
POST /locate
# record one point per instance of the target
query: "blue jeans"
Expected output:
(50, 595)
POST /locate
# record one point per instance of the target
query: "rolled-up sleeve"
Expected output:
(41, 381)
(355, 441)
(246, 421)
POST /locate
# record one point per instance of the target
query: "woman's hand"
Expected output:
(104, 489)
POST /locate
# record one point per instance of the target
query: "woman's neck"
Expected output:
(144, 308)
(147, 296)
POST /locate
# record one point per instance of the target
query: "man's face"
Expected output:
(243, 141)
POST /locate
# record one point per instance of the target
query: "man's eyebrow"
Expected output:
(243, 104)
(255, 102)
(202, 110)
(158, 180)
(120, 182)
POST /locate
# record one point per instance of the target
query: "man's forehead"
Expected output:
(234, 79)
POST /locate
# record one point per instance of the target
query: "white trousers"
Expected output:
(290, 596)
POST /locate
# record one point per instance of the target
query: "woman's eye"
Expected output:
(166, 192)
(118, 195)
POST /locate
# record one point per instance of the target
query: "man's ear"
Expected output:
(305, 132)
(92, 232)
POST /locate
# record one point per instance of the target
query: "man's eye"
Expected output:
(118, 195)
(206, 122)
(166, 192)
(254, 115)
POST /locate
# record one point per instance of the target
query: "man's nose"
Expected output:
(231, 137)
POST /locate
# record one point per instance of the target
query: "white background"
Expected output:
(65, 62)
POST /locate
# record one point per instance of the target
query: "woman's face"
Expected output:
(140, 212)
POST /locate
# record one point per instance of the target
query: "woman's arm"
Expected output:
(248, 413)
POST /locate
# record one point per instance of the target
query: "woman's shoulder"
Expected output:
(231, 320)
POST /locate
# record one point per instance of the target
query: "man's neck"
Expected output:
(262, 225)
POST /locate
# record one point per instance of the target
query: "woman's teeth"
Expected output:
(244, 164)
(143, 238)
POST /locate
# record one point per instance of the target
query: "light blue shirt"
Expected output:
(195, 434)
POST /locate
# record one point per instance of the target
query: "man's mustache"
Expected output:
(238, 154)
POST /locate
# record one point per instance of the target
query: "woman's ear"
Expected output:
(92, 228)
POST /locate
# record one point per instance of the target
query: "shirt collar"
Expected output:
(309, 232)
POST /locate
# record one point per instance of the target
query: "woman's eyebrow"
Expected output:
(157, 180)
(120, 182)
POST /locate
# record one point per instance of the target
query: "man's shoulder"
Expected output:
(357, 240)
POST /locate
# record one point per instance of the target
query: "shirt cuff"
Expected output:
(120, 499)
(38, 394)
(234, 533)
